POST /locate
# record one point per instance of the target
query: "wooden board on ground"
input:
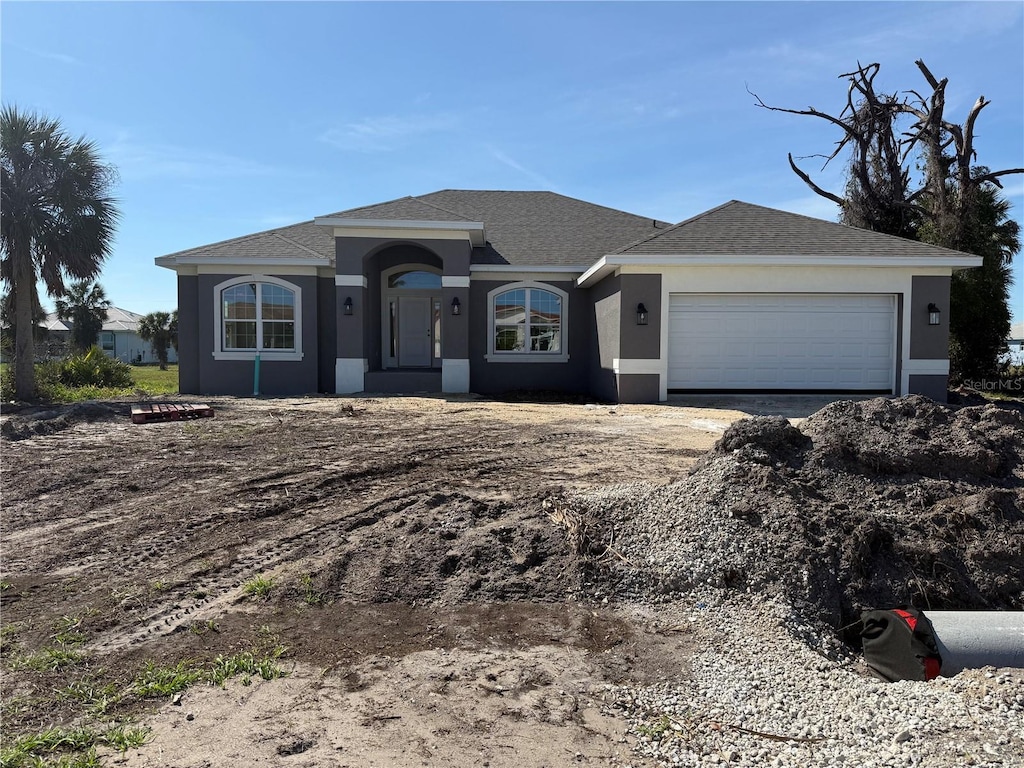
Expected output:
(142, 414)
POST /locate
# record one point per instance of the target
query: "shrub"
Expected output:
(93, 369)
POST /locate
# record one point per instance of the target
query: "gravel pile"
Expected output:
(770, 549)
(771, 690)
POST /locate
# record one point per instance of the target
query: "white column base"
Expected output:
(454, 375)
(348, 374)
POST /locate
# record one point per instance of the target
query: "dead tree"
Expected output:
(881, 193)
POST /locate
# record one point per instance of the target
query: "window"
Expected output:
(527, 323)
(414, 278)
(258, 314)
(107, 341)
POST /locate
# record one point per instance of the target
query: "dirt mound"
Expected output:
(871, 503)
(28, 424)
(451, 549)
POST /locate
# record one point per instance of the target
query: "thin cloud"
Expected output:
(142, 161)
(388, 132)
(501, 157)
(63, 58)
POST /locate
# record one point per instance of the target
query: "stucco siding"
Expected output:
(488, 377)
(605, 306)
(327, 333)
(188, 334)
(236, 377)
(933, 386)
(929, 342)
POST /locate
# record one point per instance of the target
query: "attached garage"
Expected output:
(798, 342)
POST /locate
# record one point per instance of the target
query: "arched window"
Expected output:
(527, 323)
(258, 313)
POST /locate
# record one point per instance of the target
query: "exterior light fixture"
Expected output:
(933, 315)
(348, 305)
(641, 314)
(456, 306)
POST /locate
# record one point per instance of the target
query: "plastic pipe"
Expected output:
(973, 639)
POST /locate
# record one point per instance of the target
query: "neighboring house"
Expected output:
(1016, 344)
(487, 291)
(119, 337)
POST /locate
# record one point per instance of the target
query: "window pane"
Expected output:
(510, 307)
(278, 335)
(240, 302)
(545, 338)
(240, 335)
(545, 307)
(414, 279)
(509, 338)
(278, 303)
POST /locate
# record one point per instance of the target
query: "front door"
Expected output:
(414, 336)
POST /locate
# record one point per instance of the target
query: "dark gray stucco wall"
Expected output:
(639, 388)
(327, 333)
(640, 342)
(235, 377)
(605, 309)
(349, 331)
(493, 378)
(935, 387)
(188, 335)
(928, 342)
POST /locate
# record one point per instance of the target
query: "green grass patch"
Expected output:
(48, 659)
(156, 681)
(247, 664)
(50, 748)
(154, 381)
(259, 586)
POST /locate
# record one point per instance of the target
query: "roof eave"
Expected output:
(171, 262)
(607, 264)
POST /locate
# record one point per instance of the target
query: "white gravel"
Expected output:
(766, 689)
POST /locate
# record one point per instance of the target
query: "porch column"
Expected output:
(351, 363)
(455, 344)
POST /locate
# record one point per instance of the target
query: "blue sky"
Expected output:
(229, 118)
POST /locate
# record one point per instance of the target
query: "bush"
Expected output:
(93, 369)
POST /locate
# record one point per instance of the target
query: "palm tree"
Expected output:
(85, 306)
(57, 219)
(160, 330)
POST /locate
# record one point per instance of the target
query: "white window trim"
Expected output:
(219, 353)
(527, 356)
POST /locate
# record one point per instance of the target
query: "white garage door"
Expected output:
(828, 342)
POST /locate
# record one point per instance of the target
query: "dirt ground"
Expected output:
(431, 611)
(458, 581)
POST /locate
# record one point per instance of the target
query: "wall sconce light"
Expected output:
(641, 314)
(933, 315)
(348, 305)
(456, 306)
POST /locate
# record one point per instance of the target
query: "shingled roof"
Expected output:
(522, 229)
(298, 241)
(743, 229)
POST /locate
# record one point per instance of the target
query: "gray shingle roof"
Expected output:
(522, 228)
(743, 229)
(297, 241)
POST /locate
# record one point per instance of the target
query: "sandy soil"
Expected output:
(431, 610)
